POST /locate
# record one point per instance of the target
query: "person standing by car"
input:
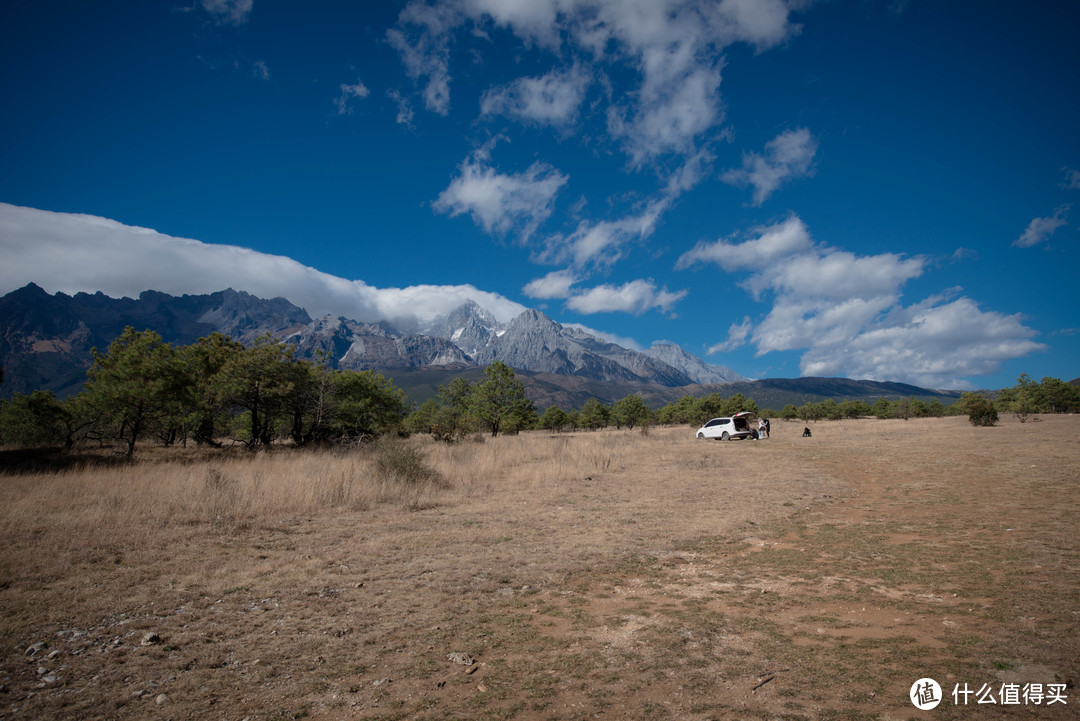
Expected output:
(768, 428)
(762, 428)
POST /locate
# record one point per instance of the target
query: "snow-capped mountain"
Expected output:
(470, 327)
(533, 341)
(45, 340)
(354, 345)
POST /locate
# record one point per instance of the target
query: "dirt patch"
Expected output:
(608, 575)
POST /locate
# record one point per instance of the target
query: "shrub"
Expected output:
(403, 473)
(981, 412)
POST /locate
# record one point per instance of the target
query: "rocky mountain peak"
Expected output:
(470, 327)
(698, 370)
(29, 292)
(45, 340)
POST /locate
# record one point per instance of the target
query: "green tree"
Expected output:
(553, 419)
(259, 381)
(790, 412)
(454, 417)
(138, 382)
(1058, 396)
(829, 409)
(38, 419)
(981, 412)
(573, 419)
(205, 360)
(706, 408)
(364, 403)
(854, 409)
(810, 412)
(499, 400)
(737, 404)
(631, 411)
(1005, 400)
(594, 415)
(422, 420)
(918, 408)
(1026, 391)
(311, 401)
(680, 411)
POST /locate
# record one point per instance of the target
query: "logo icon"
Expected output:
(925, 694)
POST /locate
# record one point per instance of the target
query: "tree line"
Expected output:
(142, 388)
(216, 389)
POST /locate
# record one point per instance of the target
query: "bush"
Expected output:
(34, 420)
(403, 473)
(981, 412)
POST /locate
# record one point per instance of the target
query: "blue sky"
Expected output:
(862, 189)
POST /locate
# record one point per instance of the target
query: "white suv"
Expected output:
(724, 429)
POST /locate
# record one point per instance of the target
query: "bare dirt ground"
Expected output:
(595, 575)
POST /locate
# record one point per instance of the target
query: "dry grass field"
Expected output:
(608, 575)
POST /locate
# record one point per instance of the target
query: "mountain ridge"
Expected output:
(46, 342)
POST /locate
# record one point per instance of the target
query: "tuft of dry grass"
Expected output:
(404, 475)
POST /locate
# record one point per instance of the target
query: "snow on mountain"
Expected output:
(533, 341)
(45, 340)
(354, 345)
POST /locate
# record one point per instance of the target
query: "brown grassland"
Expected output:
(590, 575)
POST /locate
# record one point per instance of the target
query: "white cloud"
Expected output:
(358, 90)
(787, 156)
(1039, 230)
(761, 23)
(551, 99)
(260, 70)
(669, 117)
(796, 322)
(846, 312)
(674, 46)
(532, 20)
(602, 243)
(738, 334)
(833, 275)
(773, 243)
(556, 284)
(425, 49)
(499, 202)
(229, 12)
(71, 253)
(932, 344)
(677, 47)
(634, 297)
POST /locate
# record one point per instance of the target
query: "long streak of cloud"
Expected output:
(72, 253)
(1039, 230)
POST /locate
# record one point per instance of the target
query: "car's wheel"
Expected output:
(700, 436)
(725, 437)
